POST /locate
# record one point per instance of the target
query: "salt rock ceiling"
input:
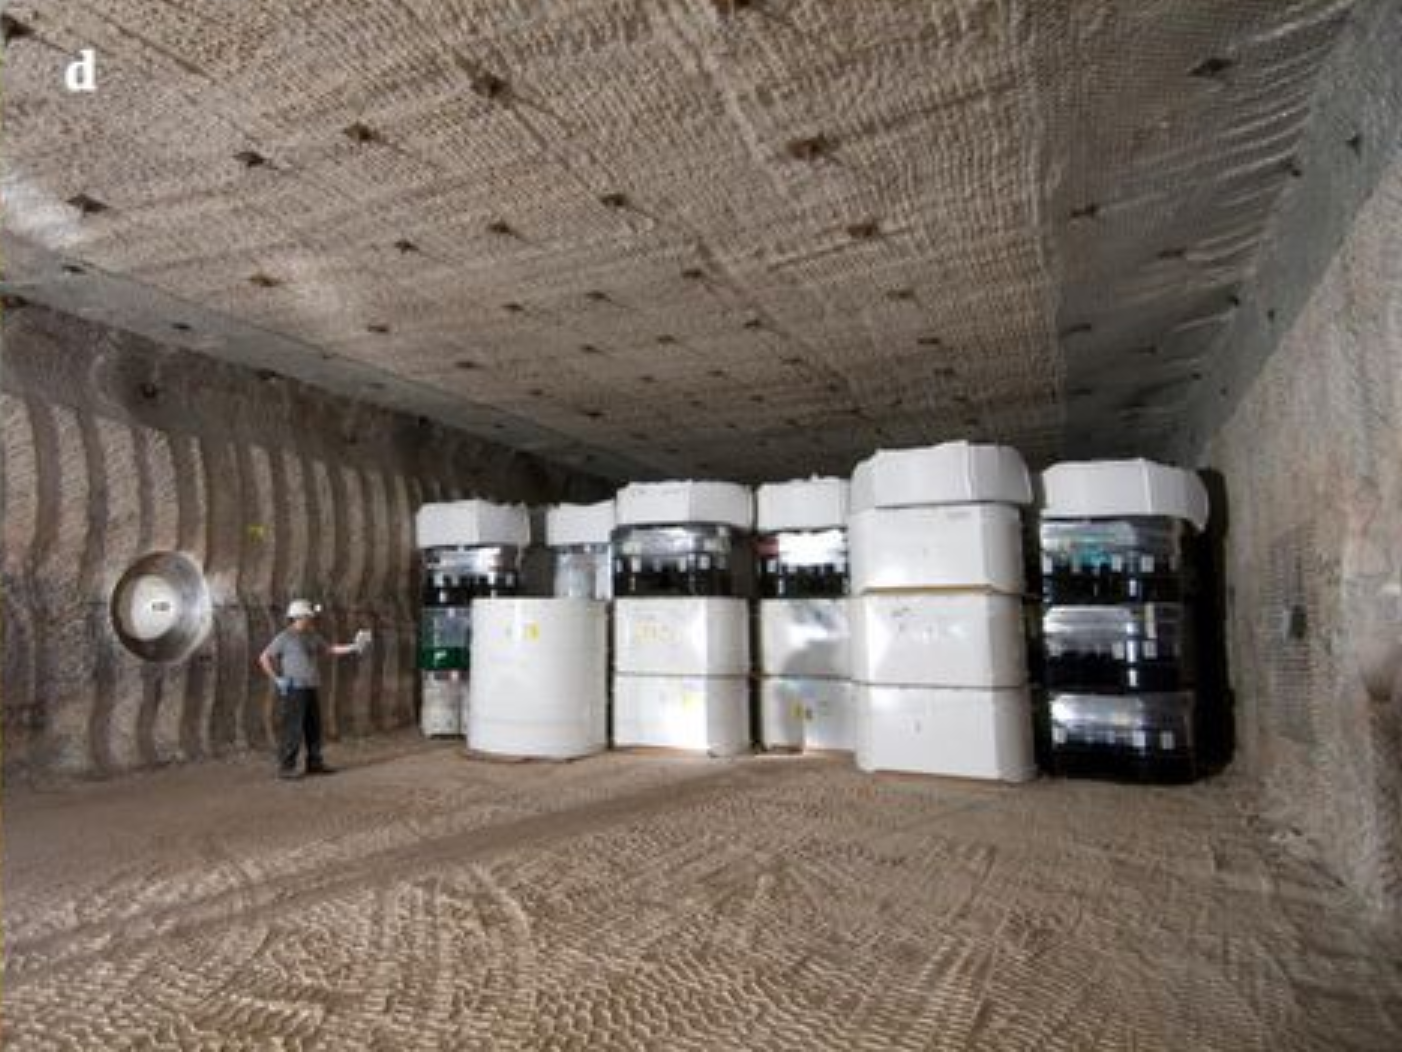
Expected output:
(653, 237)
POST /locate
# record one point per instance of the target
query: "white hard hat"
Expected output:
(301, 608)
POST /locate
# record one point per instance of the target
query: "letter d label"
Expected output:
(81, 74)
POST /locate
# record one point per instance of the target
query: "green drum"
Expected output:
(445, 638)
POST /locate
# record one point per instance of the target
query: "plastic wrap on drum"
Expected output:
(984, 734)
(942, 639)
(583, 572)
(682, 637)
(804, 714)
(696, 713)
(805, 637)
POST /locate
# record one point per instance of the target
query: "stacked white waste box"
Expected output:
(681, 635)
(470, 549)
(805, 688)
(938, 650)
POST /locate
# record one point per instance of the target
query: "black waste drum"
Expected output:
(682, 560)
(802, 564)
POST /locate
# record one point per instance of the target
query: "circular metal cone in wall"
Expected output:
(160, 609)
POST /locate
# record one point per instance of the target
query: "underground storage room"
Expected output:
(690, 525)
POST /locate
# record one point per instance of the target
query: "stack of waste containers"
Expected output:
(805, 688)
(681, 631)
(539, 688)
(1118, 589)
(938, 650)
(470, 550)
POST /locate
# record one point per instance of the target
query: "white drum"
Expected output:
(539, 677)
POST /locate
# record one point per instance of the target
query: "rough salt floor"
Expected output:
(421, 900)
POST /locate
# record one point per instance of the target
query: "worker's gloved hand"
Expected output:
(363, 639)
(283, 685)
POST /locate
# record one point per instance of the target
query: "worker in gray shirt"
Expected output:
(291, 661)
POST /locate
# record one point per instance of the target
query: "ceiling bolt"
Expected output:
(810, 148)
(88, 206)
(361, 133)
(1211, 68)
(489, 85)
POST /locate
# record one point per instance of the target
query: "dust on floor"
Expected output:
(421, 900)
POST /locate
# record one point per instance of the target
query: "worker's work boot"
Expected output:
(289, 774)
(320, 768)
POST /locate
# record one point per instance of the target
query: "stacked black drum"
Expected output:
(471, 549)
(1118, 590)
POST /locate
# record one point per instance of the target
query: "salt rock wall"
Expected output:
(115, 447)
(1311, 458)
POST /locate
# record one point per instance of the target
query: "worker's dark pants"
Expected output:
(301, 718)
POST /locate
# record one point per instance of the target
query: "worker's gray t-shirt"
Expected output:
(297, 653)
